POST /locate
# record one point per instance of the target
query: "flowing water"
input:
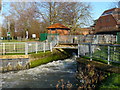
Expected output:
(44, 76)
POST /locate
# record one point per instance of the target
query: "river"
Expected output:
(49, 75)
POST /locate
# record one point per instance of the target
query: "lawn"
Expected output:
(110, 83)
(102, 53)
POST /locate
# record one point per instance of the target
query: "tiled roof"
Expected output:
(109, 10)
(115, 16)
(83, 29)
(57, 25)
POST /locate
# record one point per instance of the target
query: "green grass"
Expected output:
(40, 54)
(95, 59)
(112, 82)
(103, 53)
(19, 40)
(43, 61)
(15, 54)
(101, 60)
(47, 57)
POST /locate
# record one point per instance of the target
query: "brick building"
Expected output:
(59, 29)
(108, 22)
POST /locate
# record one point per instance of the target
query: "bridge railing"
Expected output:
(9, 47)
(96, 39)
(23, 47)
(107, 52)
(26, 47)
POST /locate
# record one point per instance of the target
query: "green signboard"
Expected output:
(8, 33)
(43, 36)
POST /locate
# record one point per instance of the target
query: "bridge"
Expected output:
(67, 46)
(92, 46)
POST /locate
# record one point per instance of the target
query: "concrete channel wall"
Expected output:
(13, 62)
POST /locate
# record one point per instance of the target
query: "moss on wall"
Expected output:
(43, 58)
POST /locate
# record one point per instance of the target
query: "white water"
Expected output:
(44, 76)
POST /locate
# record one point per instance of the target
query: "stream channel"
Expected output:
(51, 75)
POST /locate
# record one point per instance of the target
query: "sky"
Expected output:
(97, 9)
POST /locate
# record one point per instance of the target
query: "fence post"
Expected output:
(117, 38)
(36, 47)
(3, 48)
(108, 54)
(78, 50)
(44, 47)
(51, 46)
(97, 39)
(57, 39)
(14, 46)
(26, 48)
(90, 51)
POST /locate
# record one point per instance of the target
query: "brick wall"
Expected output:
(59, 31)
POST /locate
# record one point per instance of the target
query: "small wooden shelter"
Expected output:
(58, 28)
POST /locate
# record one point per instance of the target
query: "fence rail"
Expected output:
(26, 47)
(108, 52)
(95, 39)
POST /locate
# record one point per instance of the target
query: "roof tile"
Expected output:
(57, 25)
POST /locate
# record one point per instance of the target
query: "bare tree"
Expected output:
(71, 14)
(36, 16)
(24, 15)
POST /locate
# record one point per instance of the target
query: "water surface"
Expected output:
(44, 76)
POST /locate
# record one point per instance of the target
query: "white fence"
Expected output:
(29, 47)
(26, 47)
(96, 39)
(108, 52)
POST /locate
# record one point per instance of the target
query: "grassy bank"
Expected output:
(111, 82)
(101, 60)
(43, 58)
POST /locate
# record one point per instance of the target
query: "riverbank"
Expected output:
(43, 58)
(98, 75)
(22, 62)
(111, 82)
